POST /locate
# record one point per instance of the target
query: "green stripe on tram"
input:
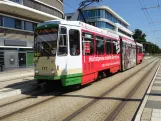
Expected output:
(67, 80)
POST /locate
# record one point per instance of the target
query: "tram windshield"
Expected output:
(46, 41)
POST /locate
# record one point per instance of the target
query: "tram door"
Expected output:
(69, 54)
(75, 56)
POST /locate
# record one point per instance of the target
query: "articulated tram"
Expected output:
(76, 53)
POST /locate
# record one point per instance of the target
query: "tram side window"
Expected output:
(108, 46)
(114, 47)
(140, 50)
(99, 45)
(63, 46)
(87, 43)
(74, 42)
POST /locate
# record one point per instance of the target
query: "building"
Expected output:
(17, 21)
(102, 17)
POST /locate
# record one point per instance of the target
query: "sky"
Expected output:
(146, 20)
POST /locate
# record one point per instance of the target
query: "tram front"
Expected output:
(45, 48)
(57, 53)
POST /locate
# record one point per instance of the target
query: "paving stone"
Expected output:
(156, 115)
(146, 116)
(157, 79)
(156, 88)
(155, 119)
(148, 110)
(155, 92)
(156, 110)
(157, 84)
(153, 104)
(154, 98)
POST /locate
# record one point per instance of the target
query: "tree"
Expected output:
(149, 47)
(139, 36)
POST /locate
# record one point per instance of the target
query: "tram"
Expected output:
(76, 53)
(140, 56)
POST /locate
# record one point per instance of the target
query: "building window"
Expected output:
(99, 13)
(88, 14)
(18, 24)
(9, 22)
(101, 24)
(1, 21)
(17, 1)
(74, 42)
(69, 17)
(119, 30)
(102, 13)
(34, 25)
(99, 45)
(28, 26)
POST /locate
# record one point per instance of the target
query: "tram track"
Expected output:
(43, 101)
(53, 95)
(92, 102)
(27, 96)
(117, 110)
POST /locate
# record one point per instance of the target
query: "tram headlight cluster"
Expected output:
(36, 71)
(52, 71)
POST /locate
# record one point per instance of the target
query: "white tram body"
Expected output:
(74, 52)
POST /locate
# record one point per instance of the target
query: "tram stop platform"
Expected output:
(16, 81)
(150, 109)
(16, 74)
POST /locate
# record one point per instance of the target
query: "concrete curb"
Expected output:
(9, 92)
(139, 113)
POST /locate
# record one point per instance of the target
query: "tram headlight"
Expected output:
(52, 71)
(36, 71)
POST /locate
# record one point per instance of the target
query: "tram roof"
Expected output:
(85, 26)
(110, 33)
(139, 44)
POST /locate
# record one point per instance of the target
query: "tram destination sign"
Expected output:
(46, 31)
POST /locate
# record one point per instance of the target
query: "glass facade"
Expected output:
(101, 24)
(17, 23)
(119, 30)
(29, 26)
(1, 20)
(9, 22)
(100, 13)
(17, 1)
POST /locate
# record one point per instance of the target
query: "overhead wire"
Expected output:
(160, 16)
(70, 6)
(146, 16)
(148, 13)
(153, 22)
